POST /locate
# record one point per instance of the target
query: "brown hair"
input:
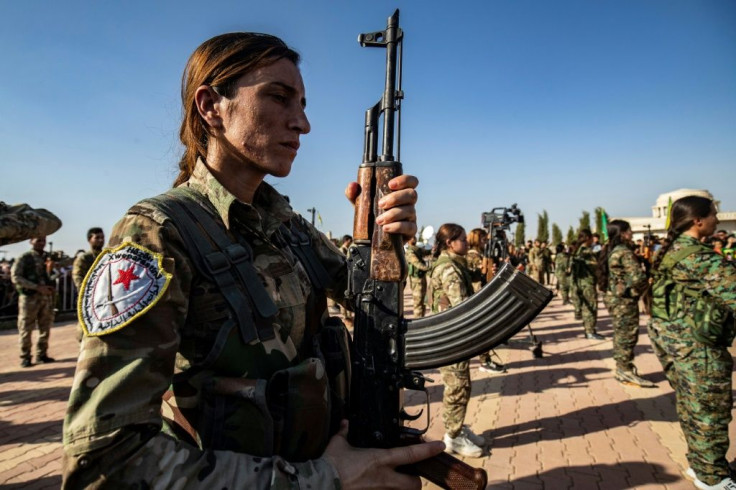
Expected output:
(448, 231)
(220, 62)
(683, 214)
(476, 237)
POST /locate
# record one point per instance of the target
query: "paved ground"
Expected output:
(558, 422)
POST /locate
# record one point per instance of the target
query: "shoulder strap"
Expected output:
(669, 261)
(222, 259)
(300, 243)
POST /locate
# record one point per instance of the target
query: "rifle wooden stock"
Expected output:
(363, 220)
(446, 471)
(488, 318)
(387, 250)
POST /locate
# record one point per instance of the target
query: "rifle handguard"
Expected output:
(509, 302)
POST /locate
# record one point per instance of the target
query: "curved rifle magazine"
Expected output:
(509, 302)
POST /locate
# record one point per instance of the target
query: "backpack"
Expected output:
(709, 323)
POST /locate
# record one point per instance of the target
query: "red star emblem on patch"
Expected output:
(125, 277)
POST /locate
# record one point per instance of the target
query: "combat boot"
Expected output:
(630, 377)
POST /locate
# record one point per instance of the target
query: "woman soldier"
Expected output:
(222, 280)
(478, 267)
(450, 283)
(582, 283)
(692, 326)
(622, 278)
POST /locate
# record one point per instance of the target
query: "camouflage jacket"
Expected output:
(562, 264)
(474, 264)
(29, 272)
(82, 264)
(113, 427)
(583, 265)
(706, 272)
(450, 281)
(626, 278)
(536, 257)
(21, 222)
(415, 258)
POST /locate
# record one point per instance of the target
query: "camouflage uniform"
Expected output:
(546, 255)
(562, 265)
(699, 373)
(34, 308)
(625, 280)
(450, 284)
(21, 222)
(118, 432)
(536, 264)
(582, 286)
(417, 278)
(82, 264)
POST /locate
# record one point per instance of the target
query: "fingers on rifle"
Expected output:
(404, 181)
(399, 456)
(352, 191)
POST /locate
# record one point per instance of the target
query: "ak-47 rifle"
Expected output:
(387, 348)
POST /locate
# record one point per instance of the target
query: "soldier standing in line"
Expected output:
(582, 282)
(204, 363)
(417, 276)
(562, 265)
(83, 262)
(35, 301)
(536, 262)
(546, 254)
(478, 267)
(622, 278)
(692, 327)
(450, 284)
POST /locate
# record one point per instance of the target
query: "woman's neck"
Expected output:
(240, 178)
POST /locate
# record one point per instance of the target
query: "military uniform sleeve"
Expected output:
(636, 280)
(16, 273)
(411, 257)
(334, 262)
(453, 286)
(112, 429)
(78, 271)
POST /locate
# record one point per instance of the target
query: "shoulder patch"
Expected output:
(122, 284)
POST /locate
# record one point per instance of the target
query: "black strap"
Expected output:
(301, 245)
(223, 260)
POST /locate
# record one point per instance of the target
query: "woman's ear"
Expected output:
(209, 105)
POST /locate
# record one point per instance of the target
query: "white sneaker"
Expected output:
(479, 441)
(462, 445)
(725, 484)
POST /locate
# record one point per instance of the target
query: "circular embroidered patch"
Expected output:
(121, 285)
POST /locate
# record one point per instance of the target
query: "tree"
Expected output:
(584, 221)
(570, 236)
(519, 235)
(556, 234)
(543, 227)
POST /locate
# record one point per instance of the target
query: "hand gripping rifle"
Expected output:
(387, 348)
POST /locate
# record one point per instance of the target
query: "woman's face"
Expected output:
(262, 122)
(459, 245)
(708, 224)
(627, 235)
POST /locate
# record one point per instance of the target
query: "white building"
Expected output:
(655, 224)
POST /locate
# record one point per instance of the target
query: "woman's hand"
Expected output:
(399, 213)
(376, 468)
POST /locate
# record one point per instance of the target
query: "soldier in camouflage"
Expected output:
(20, 222)
(582, 282)
(622, 278)
(478, 267)
(692, 327)
(450, 283)
(417, 276)
(35, 301)
(83, 263)
(206, 370)
(562, 266)
(536, 263)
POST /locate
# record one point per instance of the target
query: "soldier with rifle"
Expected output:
(209, 360)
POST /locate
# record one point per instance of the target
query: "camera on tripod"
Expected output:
(502, 217)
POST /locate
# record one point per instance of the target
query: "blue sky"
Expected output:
(560, 106)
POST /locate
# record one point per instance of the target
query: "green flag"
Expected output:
(669, 213)
(604, 225)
